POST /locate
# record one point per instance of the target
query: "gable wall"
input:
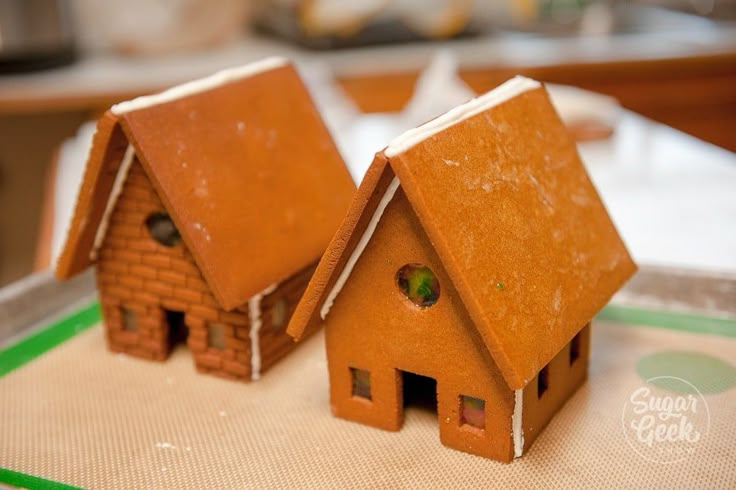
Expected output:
(372, 326)
(274, 341)
(136, 272)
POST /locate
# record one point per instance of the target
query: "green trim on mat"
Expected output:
(686, 322)
(47, 338)
(22, 480)
(37, 343)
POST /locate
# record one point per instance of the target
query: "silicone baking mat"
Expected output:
(81, 415)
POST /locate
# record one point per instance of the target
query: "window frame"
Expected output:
(216, 327)
(284, 315)
(355, 389)
(466, 422)
(575, 348)
(155, 217)
(126, 314)
(542, 382)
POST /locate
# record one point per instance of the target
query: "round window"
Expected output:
(162, 229)
(419, 284)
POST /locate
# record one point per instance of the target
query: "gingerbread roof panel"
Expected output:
(250, 176)
(247, 170)
(501, 191)
(106, 156)
(352, 236)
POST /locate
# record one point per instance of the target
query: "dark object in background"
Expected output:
(35, 34)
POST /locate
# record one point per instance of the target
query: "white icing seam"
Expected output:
(367, 234)
(517, 430)
(500, 94)
(117, 188)
(255, 320)
(200, 85)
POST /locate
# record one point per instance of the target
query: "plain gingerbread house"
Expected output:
(204, 209)
(475, 253)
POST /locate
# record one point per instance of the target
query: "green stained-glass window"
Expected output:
(419, 284)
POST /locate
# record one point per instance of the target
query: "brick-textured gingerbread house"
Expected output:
(205, 209)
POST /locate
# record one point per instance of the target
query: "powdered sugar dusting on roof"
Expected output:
(201, 85)
(500, 94)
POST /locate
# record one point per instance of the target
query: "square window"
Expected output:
(542, 381)
(575, 348)
(216, 335)
(472, 412)
(129, 319)
(278, 314)
(361, 380)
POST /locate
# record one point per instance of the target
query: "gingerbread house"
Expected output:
(204, 209)
(470, 264)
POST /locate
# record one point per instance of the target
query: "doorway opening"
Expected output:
(177, 329)
(419, 392)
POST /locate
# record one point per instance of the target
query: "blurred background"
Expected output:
(63, 63)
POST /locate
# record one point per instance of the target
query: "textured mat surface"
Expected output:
(81, 415)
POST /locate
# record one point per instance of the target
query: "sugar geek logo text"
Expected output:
(665, 425)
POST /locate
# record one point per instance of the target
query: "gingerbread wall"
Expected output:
(136, 273)
(274, 341)
(373, 327)
(564, 377)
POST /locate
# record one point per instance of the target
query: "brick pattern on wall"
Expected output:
(274, 341)
(137, 273)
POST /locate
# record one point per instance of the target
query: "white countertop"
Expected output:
(672, 196)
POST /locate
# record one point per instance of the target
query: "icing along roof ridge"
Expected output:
(200, 85)
(500, 94)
